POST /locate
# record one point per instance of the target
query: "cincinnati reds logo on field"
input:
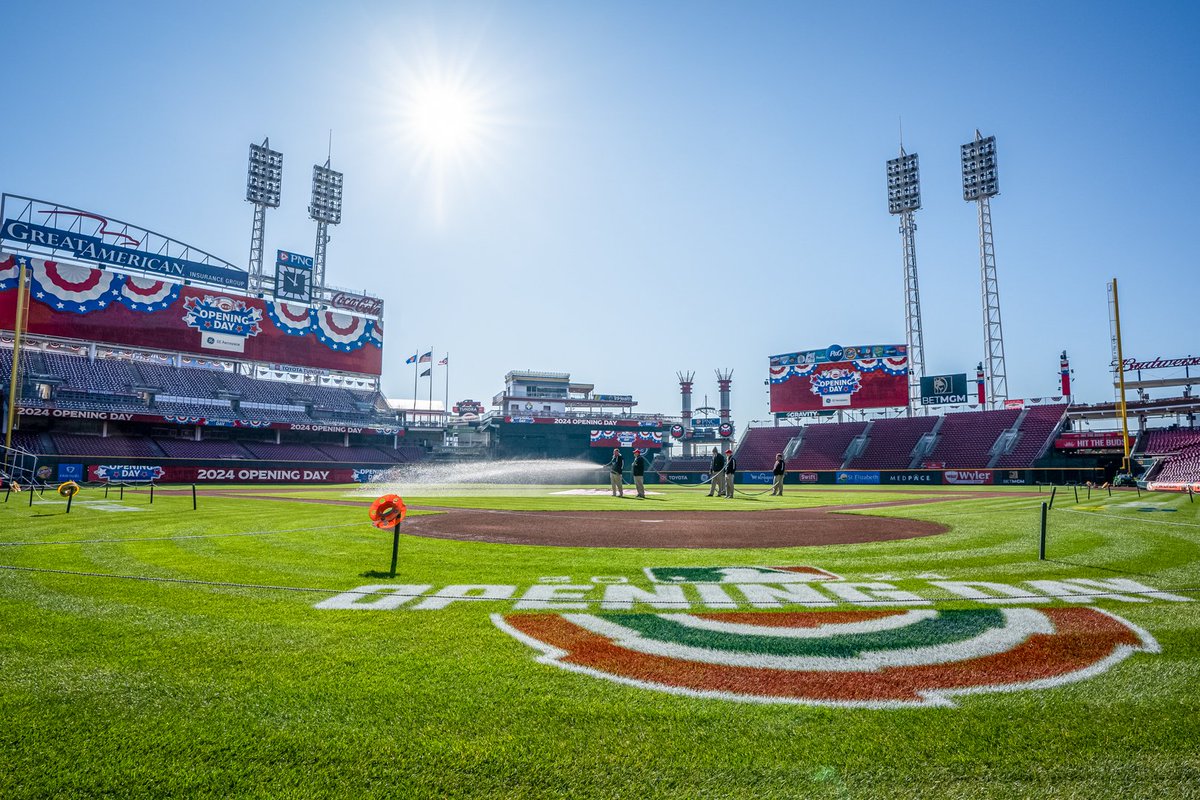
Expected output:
(871, 659)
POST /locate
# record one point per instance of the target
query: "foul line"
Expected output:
(477, 598)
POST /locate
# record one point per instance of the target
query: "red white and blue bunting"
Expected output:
(80, 290)
(10, 270)
(292, 319)
(892, 366)
(377, 333)
(342, 331)
(147, 294)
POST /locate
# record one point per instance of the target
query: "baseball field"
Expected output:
(553, 641)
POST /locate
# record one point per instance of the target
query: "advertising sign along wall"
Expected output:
(868, 376)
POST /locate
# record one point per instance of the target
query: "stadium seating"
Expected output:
(70, 444)
(1040, 425)
(98, 377)
(823, 446)
(760, 445)
(689, 464)
(208, 448)
(1182, 466)
(891, 442)
(1159, 442)
(965, 439)
(355, 454)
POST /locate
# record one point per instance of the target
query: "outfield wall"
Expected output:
(947, 477)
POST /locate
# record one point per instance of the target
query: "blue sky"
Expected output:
(655, 187)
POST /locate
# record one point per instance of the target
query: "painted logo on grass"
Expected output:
(872, 659)
(773, 575)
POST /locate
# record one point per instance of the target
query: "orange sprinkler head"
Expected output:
(388, 511)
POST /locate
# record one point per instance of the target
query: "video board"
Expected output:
(837, 377)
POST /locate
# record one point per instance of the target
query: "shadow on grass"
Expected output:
(374, 573)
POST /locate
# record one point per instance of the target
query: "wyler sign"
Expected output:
(48, 227)
(942, 390)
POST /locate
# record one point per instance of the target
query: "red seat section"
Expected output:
(891, 442)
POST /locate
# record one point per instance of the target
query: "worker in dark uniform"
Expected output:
(778, 472)
(615, 468)
(639, 473)
(717, 474)
(730, 469)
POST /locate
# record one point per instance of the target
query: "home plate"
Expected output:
(593, 492)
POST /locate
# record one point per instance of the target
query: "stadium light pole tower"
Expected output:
(264, 179)
(904, 197)
(979, 185)
(325, 209)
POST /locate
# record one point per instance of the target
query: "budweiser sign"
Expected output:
(371, 306)
(1161, 363)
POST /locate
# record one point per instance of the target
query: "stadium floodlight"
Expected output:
(979, 186)
(979, 168)
(904, 183)
(904, 197)
(325, 209)
(326, 203)
(264, 176)
(264, 180)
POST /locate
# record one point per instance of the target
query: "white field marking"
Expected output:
(935, 698)
(105, 505)
(820, 632)
(651, 520)
(1020, 624)
(593, 492)
(748, 574)
(368, 598)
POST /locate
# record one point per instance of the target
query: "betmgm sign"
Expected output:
(944, 390)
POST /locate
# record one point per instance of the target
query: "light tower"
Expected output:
(979, 184)
(685, 390)
(904, 197)
(325, 209)
(264, 179)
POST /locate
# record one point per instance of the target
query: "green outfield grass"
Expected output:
(221, 678)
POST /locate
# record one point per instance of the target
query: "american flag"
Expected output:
(426, 358)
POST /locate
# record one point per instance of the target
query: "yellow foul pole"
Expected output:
(14, 385)
(1121, 378)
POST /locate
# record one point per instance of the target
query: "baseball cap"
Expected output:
(729, 451)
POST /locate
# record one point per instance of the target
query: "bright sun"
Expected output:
(447, 119)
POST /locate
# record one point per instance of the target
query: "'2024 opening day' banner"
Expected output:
(868, 376)
(78, 302)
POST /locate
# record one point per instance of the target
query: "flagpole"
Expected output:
(447, 406)
(416, 366)
(431, 383)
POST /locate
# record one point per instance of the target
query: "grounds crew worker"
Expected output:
(616, 467)
(778, 471)
(717, 478)
(730, 468)
(639, 472)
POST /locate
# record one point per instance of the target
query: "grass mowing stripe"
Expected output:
(189, 536)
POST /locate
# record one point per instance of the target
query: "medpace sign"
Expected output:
(42, 226)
